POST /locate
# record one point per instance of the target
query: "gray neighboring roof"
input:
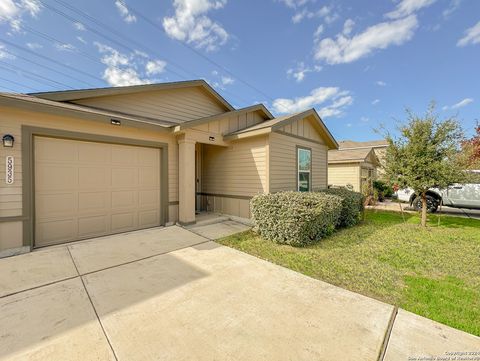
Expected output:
(349, 155)
(71, 95)
(28, 102)
(276, 123)
(350, 144)
(192, 123)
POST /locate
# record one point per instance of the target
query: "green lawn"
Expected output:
(434, 272)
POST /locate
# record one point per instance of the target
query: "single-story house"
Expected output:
(352, 167)
(88, 163)
(379, 147)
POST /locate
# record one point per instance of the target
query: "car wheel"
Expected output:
(432, 204)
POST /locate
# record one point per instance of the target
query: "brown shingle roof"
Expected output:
(348, 155)
(347, 144)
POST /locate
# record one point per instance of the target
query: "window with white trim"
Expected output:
(304, 169)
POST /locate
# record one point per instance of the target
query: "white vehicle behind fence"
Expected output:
(457, 195)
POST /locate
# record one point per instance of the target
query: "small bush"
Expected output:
(296, 218)
(352, 205)
(383, 189)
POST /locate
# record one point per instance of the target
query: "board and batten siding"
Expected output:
(229, 124)
(11, 121)
(232, 175)
(283, 162)
(342, 174)
(302, 128)
(172, 105)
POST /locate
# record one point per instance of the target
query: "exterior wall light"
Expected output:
(115, 122)
(8, 140)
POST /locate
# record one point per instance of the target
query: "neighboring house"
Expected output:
(88, 163)
(378, 146)
(352, 167)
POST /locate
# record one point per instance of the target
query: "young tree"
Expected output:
(471, 150)
(425, 154)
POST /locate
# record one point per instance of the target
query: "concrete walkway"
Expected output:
(172, 294)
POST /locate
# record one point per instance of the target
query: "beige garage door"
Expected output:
(88, 189)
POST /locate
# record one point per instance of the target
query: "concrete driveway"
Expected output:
(172, 294)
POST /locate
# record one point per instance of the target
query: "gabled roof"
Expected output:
(350, 144)
(28, 102)
(193, 123)
(72, 95)
(351, 155)
(276, 123)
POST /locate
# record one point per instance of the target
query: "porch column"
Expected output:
(186, 181)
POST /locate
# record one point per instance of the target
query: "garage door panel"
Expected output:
(124, 156)
(60, 204)
(124, 177)
(93, 153)
(56, 231)
(147, 177)
(93, 226)
(93, 189)
(93, 177)
(93, 201)
(147, 198)
(122, 222)
(148, 218)
(54, 176)
(59, 151)
(148, 157)
(122, 199)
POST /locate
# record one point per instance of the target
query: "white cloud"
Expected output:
(375, 101)
(365, 119)
(82, 40)
(300, 71)
(454, 5)
(124, 12)
(318, 32)
(380, 83)
(12, 12)
(294, 4)
(154, 67)
(65, 47)
(4, 54)
(408, 7)
(336, 108)
(317, 97)
(460, 104)
(348, 26)
(226, 80)
(190, 24)
(79, 26)
(472, 36)
(34, 46)
(345, 49)
(122, 69)
(323, 12)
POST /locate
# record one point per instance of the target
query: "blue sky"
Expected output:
(359, 63)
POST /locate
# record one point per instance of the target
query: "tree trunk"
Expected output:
(424, 209)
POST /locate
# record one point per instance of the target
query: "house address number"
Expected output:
(9, 170)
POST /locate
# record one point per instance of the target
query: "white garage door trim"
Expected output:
(28, 167)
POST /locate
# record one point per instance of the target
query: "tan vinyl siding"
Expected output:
(173, 105)
(232, 123)
(283, 162)
(239, 169)
(11, 122)
(303, 128)
(227, 205)
(344, 174)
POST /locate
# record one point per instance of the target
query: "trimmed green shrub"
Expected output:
(384, 191)
(352, 205)
(295, 218)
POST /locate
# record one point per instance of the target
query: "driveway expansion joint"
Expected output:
(388, 333)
